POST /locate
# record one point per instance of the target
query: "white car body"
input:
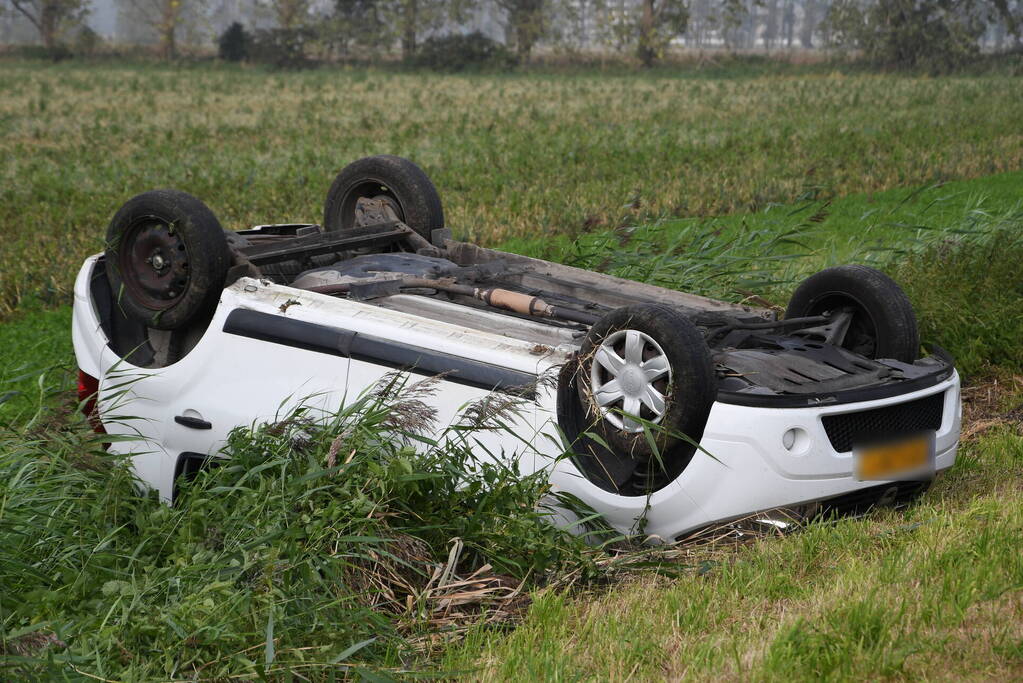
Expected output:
(745, 464)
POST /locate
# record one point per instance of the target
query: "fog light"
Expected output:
(796, 440)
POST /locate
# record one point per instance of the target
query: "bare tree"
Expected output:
(788, 22)
(291, 13)
(162, 18)
(1011, 18)
(527, 22)
(811, 19)
(647, 26)
(770, 23)
(660, 21)
(50, 17)
(410, 19)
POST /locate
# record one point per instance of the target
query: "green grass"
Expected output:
(967, 298)
(320, 547)
(830, 231)
(36, 362)
(934, 592)
(955, 248)
(967, 289)
(513, 155)
(731, 183)
(914, 594)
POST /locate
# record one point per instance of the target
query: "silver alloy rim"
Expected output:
(622, 384)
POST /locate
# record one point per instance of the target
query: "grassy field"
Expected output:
(766, 253)
(858, 226)
(932, 593)
(516, 155)
(735, 186)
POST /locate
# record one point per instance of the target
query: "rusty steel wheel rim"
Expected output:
(154, 263)
(372, 189)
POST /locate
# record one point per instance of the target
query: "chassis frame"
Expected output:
(495, 321)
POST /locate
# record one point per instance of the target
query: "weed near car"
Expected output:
(330, 545)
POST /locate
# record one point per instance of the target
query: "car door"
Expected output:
(228, 380)
(480, 383)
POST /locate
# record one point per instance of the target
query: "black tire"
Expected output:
(689, 389)
(410, 190)
(193, 261)
(883, 324)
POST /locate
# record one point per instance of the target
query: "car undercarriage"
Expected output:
(639, 377)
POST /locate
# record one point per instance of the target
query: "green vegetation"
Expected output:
(940, 35)
(117, 585)
(318, 547)
(323, 551)
(967, 291)
(933, 592)
(823, 230)
(955, 248)
(516, 155)
(36, 362)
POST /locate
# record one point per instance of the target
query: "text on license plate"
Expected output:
(907, 459)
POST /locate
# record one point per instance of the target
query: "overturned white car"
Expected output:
(678, 409)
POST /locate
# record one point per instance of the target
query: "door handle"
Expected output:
(192, 422)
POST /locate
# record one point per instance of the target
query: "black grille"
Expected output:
(884, 424)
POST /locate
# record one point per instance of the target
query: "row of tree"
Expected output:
(890, 31)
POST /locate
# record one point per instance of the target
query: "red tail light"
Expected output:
(88, 390)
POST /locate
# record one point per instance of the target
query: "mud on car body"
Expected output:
(679, 409)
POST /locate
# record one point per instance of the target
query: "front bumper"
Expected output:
(744, 466)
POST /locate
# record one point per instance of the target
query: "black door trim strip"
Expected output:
(334, 341)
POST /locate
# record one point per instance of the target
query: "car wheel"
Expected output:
(395, 184)
(883, 323)
(645, 369)
(166, 259)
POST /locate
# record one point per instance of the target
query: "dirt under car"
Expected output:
(673, 408)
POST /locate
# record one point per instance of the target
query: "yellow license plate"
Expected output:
(908, 459)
